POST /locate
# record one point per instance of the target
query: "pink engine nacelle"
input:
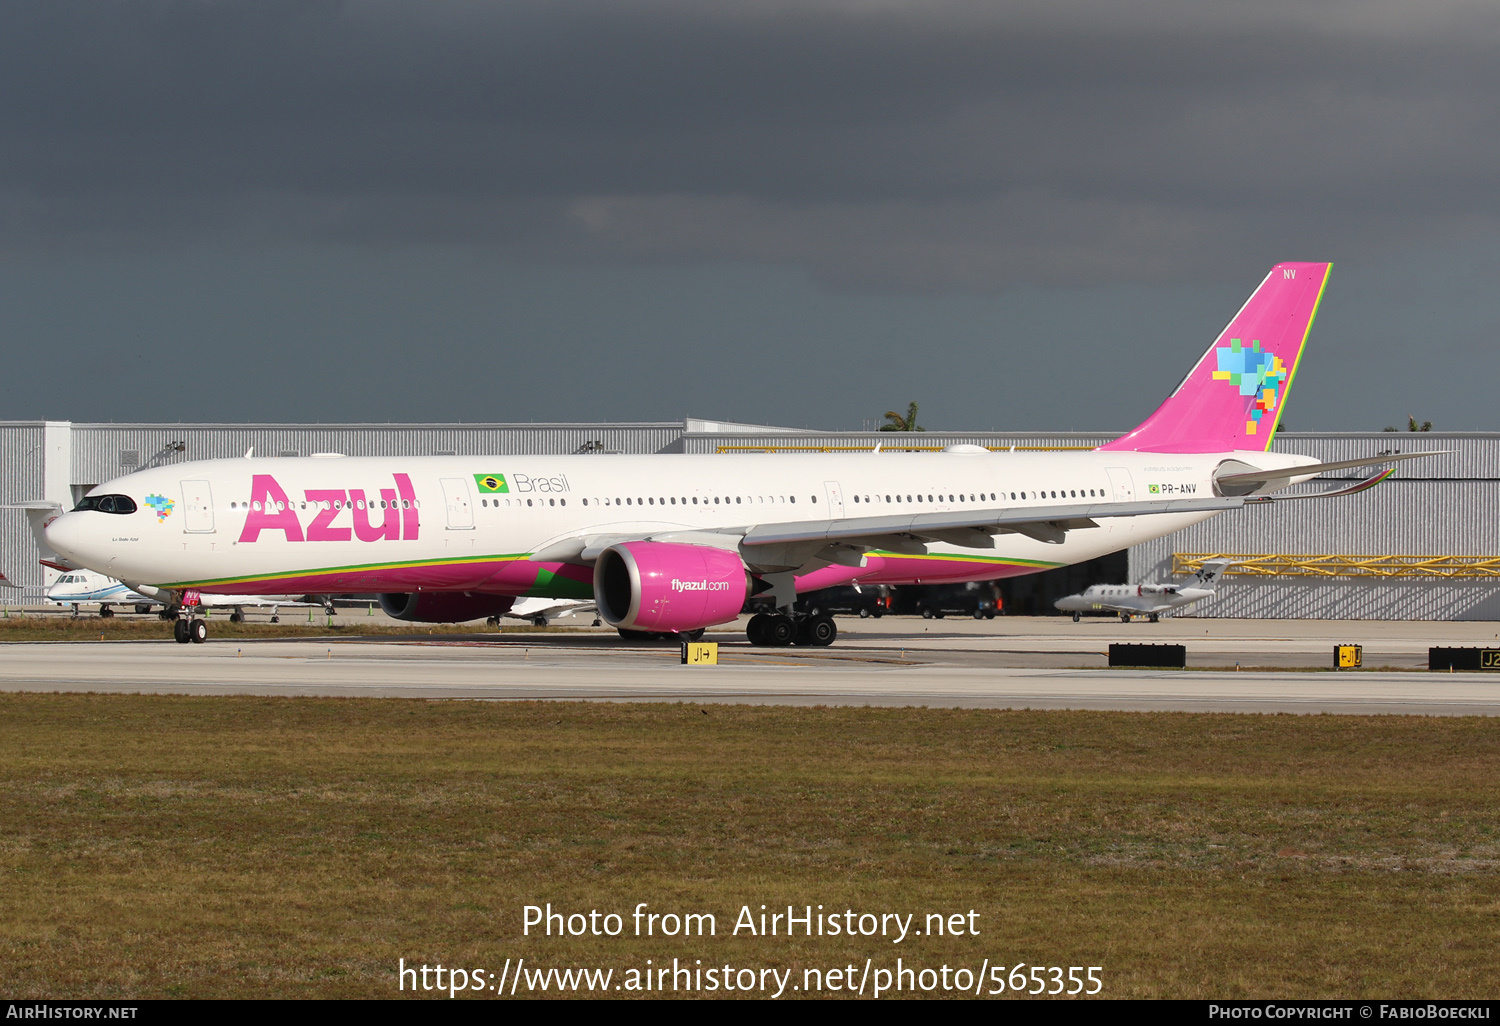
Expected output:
(443, 606)
(664, 586)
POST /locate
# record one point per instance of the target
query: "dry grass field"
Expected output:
(203, 847)
(294, 624)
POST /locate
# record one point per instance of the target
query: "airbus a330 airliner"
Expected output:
(671, 544)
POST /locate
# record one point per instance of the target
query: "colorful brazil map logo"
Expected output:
(1255, 373)
(161, 505)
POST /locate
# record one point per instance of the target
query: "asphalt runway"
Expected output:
(1014, 662)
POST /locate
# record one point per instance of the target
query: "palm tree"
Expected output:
(895, 422)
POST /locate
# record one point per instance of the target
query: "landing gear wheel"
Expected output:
(817, 631)
(275, 618)
(780, 631)
(492, 621)
(180, 632)
(538, 621)
(106, 612)
(143, 608)
(755, 630)
(1076, 618)
(927, 614)
(1124, 617)
(864, 614)
(236, 617)
(197, 631)
(1155, 618)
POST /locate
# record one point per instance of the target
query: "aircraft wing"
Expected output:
(793, 543)
(976, 527)
(6, 582)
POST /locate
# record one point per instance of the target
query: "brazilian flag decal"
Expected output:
(489, 484)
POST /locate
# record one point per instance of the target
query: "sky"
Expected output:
(1022, 216)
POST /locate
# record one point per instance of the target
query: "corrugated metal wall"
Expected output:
(104, 451)
(813, 440)
(21, 460)
(1444, 505)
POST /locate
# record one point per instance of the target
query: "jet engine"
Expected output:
(443, 606)
(666, 586)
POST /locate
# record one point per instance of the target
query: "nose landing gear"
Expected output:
(185, 631)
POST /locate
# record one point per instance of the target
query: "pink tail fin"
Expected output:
(1232, 398)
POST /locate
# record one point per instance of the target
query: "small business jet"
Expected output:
(673, 544)
(85, 587)
(1149, 600)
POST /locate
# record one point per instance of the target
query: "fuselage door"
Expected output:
(835, 498)
(197, 507)
(1121, 483)
(460, 507)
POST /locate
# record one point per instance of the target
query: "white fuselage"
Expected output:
(456, 523)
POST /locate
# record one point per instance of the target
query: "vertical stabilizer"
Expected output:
(1232, 398)
(1208, 575)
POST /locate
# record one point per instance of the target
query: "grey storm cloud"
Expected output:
(927, 146)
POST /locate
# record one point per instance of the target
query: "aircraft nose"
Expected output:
(71, 537)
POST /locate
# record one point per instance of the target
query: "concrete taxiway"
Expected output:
(1041, 663)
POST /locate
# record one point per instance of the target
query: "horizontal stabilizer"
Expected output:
(1309, 469)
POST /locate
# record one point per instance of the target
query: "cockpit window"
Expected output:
(106, 503)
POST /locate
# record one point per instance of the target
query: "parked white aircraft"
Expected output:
(539, 612)
(675, 543)
(80, 587)
(1145, 599)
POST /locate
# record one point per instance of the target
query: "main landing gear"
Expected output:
(775, 630)
(186, 630)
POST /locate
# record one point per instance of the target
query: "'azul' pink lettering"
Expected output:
(367, 531)
(271, 510)
(329, 503)
(409, 522)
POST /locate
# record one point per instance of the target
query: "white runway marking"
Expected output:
(540, 669)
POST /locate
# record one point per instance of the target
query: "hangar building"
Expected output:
(1422, 545)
